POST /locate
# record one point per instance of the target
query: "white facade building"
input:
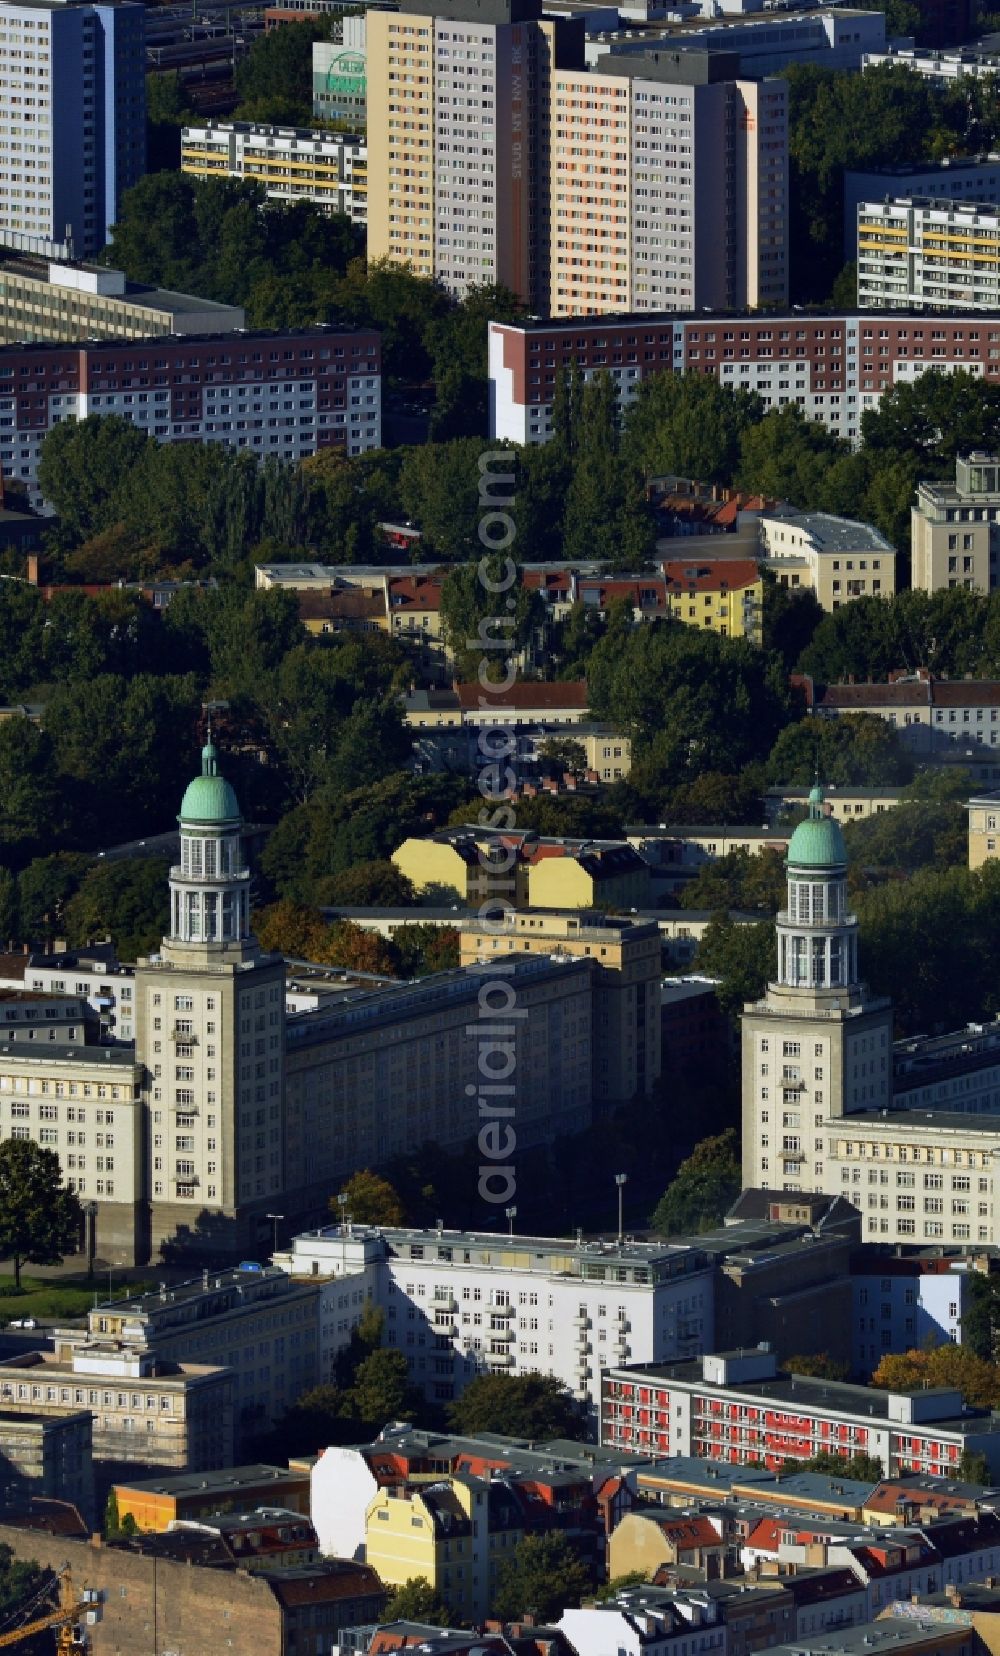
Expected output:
(292, 163)
(939, 66)
(919, 253)
(460, 1303)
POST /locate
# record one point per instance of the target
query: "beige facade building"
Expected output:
(458, 158)
(42, 299)
(47, 1456)
(837, 558)
(955, 528)
(984, 829)
(626, 986)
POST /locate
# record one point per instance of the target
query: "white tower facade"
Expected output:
(209, 1022)
(818, 1045)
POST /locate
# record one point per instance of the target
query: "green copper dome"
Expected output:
(209, 798)
(817, 842)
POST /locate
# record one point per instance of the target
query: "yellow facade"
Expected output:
(638, 1546)
(984, 830)
(400, 50)
(443, 1535)
(735, 614)
(561, 882)
(430, 866)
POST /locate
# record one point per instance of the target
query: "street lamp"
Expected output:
(511, 1213)
(274, 1218)
(621, 1180)
(90, 1213)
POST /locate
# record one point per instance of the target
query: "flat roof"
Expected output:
(228, 1479)
(836, 534)
(47, 1052)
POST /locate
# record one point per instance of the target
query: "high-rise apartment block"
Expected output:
(669, 186)
(925, 254)
(327, 169)
(72, 119)
(955, 528)
(458, 138)
(650, 182)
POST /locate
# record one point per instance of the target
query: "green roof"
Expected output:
(818, 841)
(209, 798)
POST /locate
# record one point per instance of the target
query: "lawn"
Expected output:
(46, 1299)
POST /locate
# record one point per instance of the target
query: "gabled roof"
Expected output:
(526, 695)
(710, 575)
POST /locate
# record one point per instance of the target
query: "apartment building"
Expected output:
(904, 1297)
(725, 595)
(738, 1406)
(928, 254)
(832, 367)
(934, 63)
(669, 186)
(49, 1456)
(72, 128)
(457, 1533)
(460, 1303)
(50, 300)
(836, 558)
(949, 720)
(327, 169)
(285, 394)
(157, 1503)
(458, 138)
(764, 43)
(145, 1411)
(626, 985)
(955, 527)
(954, 179)
(547, 873)
(252, 1320)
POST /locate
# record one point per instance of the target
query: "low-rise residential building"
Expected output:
(835, 557)
(898, 1636)
(984, 833)
(924, 254)
(654, 1622)
(649, 1537)
(155, 1504)
(189, 1585)
(847, 803)
(955, 527)
(93, 973)
(740, 1406)
(45, 300)
(457, 1533)
(542, 872)
(937, 720)
(460, 1303)
(327, 169)
(935, 64)
(726, 595)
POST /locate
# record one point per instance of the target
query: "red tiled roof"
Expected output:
(337, 606)
(323, 1585)
(708, 575)
(415, 592)
(525, 696)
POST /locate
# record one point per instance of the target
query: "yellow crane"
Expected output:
(70, 1640)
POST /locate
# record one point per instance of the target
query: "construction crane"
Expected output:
(70, 1639)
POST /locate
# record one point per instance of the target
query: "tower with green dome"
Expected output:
(209, 1022)
(818, 1045)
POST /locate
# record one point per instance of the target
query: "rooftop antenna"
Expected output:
(208, 708)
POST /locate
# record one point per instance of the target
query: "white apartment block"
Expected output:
(327, 169)
(833, 37)
(955, 178)
(936, 65)
(462, 1303)
(72, 120)
(833, 368)
(924, 254)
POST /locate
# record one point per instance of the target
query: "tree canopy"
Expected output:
(532, 1406)
(704, 1188)
(40, 1218)
(543, 1576)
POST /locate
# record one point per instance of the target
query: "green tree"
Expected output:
(532, 1406)
(40, 1220)
(26, 1591)
(618, 1584)
(126, 901)
(715, 797)
(544, 1577)
(81, 468)
(439, 489)
(819, 1364)
(274, 81)
(914, 835)
(951, 1366)
(754, 882)
(857, 749)
(371, 1200)
(743, 958)
(470, 612)
(974, 1468)
(376, 884)
(562, 753)
(981, 1317)
(383, 1390)
(112, 1517)
(32, 807)
(22, 629)
(44, 890)
(417, 1601)
(425, 947)
(689, 425)
(706, 1185)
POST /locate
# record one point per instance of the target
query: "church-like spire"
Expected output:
(817, 936)
(210, 887)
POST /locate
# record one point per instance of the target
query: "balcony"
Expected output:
(186, 1036)
(502, 1336)
(448, 1329)
(583, 1321)
(444, 1302)
(500, 1310)
(500, 1359)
